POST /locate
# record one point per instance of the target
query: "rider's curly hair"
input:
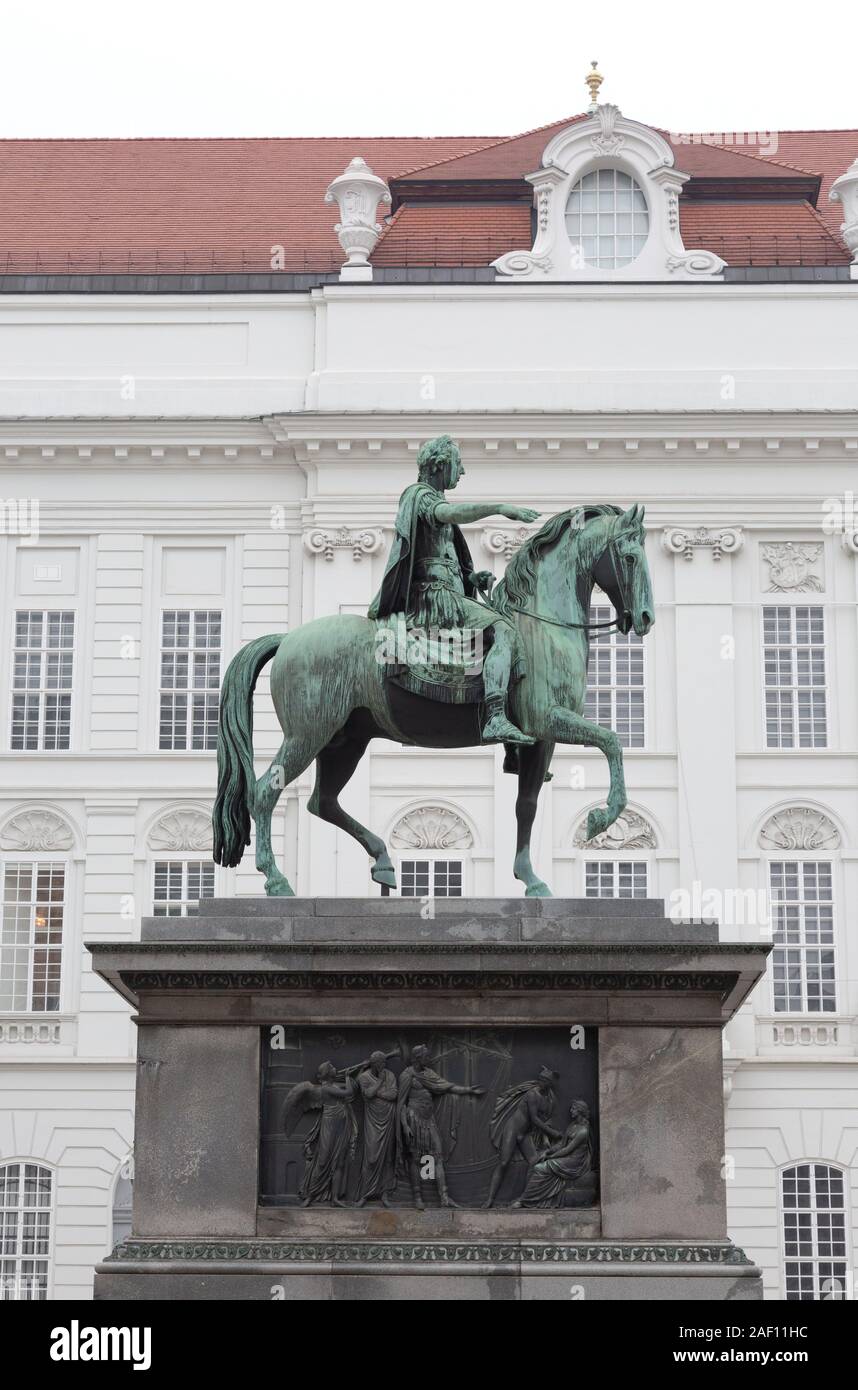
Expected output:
(434, 455)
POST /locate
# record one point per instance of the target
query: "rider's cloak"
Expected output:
(396, 593)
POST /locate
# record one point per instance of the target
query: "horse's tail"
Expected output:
(236, 777)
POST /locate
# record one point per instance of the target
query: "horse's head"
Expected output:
(621, 571)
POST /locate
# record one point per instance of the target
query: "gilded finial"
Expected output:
(594, 81)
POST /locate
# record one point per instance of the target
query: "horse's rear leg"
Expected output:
(291, 760)
(334, 766)
(532, 767)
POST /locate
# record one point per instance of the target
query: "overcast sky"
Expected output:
(403, 67)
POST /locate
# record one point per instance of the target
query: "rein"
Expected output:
(484, 602)
(558, 622)
(555, 622)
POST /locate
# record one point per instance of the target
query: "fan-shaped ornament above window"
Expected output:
(799, 828)
(629, 831)
(186, 829)
(431, 827)
(36, 832)
(607, 208)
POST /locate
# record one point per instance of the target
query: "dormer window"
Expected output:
(607, 208)
(607, 219)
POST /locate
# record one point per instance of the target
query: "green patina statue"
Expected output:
(430, 576)
(441, 661)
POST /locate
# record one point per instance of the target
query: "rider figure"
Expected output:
(430, 574)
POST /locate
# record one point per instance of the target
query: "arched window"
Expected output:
(35, 844)
(432, 844)
(26, 1196)
(800, 841)
(607, 217)
(813, 1208)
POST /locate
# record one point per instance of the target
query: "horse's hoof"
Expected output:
(538, 890)
(278, 887)
(385, 876)
(596, 823)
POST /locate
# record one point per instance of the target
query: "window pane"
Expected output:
(180, 885)
(615, 681)
(794, 676)
(190, 678)
(25, 1231)
(425, 878)
(31, 937)
(602, 211)
(814, 1232)
(803, 958)
(42, 668)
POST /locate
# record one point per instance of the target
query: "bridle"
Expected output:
(622, 588)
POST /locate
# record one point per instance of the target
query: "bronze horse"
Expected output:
(331, 694)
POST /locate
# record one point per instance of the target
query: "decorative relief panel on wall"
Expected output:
(464, 1117)
(30, 832)
(684, 540)
(499, 540)
(805, 1034)
(431, 827)
(794, 567)
(184, 829)
(323, 542)
(799, 828)
(629, 831)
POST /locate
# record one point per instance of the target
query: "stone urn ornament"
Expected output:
(357, 192)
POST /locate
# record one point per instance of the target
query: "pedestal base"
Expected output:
(240, 1009)
(386, 1270)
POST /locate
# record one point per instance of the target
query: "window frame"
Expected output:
(802, 857)
(51, 1171)
(782, 1171)
(433, 856)
(795, 746)
(42, 693)
(633, 857)
(34, 861)
(609, 640)
(184, 860)
(192, 610)
(576, 244)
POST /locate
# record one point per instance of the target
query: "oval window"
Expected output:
(607, 217)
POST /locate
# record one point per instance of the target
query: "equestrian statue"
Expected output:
(445, 658)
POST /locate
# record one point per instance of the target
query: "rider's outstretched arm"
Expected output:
(462, 512)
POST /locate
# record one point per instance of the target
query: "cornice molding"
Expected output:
(464, 1254)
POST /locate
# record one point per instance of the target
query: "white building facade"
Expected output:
(182, 472)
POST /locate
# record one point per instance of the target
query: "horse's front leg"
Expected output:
(532, 766)
(568, 727)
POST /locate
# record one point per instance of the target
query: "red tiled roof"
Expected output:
(829, 152)
(211, 201)
(222, 205)
(444, 234)
(768, 233)
(516, 155)
(742, 233)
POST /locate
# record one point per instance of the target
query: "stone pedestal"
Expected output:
(626, 1006)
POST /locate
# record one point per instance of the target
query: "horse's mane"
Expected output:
(520, 579)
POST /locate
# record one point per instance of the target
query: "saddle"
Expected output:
(447, 668)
